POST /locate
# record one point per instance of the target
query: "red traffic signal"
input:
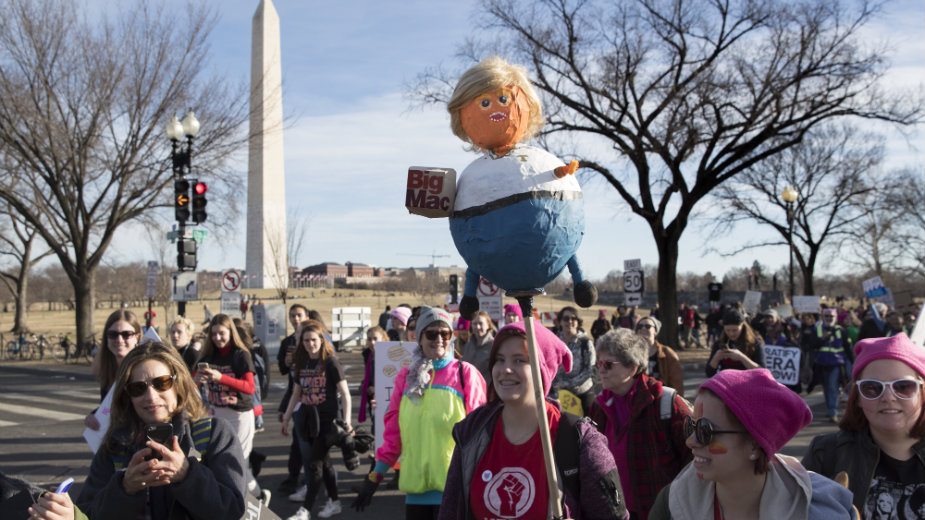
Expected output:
(199, 201)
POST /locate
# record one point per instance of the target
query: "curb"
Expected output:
(80, 372)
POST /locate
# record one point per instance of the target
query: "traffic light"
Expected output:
(186, 254)
(199, 201)
(181, 200)
(454, 288)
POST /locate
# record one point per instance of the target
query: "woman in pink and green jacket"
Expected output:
(431, 396)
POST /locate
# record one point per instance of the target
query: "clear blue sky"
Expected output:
(353, 136)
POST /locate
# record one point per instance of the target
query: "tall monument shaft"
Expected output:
(267, 257)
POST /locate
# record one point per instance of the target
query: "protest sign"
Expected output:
(784, 363)
(803, 304)
(431, 192)
(752, 302)
(391, 357)
(94, 438)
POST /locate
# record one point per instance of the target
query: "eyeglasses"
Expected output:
(161, 384)
(704, 430)
(901, 388)
(432, 335)
(114, 334)
(604, 364)
(568, 318)
(644, 326)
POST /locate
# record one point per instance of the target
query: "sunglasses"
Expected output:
(568, 318)
(606, 365)
(432, 335)
(114, 334)
(644, 326)
(161, 384)
(704, 430)
(901, 388)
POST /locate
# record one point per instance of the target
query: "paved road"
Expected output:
(41, 423)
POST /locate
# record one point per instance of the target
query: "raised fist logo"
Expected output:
(510, 493)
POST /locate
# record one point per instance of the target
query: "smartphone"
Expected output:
(201, 366)
(160, 433)
(64, 486)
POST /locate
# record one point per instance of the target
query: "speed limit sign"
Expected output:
(633, 281)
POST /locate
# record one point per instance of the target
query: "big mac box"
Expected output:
(431, 191)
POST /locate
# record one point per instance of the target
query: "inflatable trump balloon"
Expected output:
(518, 216)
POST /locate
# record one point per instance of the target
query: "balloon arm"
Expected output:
(568, 169)
(555, 503)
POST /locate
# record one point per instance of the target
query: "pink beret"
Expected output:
(401, 314)
(553, 352)
(510, 308)
(771, 412)
(898, 347)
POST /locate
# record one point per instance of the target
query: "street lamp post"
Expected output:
(790, 195)
(181, 160)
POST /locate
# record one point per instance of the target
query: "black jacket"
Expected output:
(852, 452)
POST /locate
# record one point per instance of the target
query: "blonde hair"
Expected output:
(490, 74)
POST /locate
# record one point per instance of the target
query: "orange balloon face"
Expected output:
(496, 120)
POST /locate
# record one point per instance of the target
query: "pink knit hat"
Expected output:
(463, 324)
(771, 412)
(401, 314)
(511, 308)
(553, 352)
(898, 347)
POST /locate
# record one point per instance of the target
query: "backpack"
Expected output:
(202, 437)
(260, 372)
(567, 454)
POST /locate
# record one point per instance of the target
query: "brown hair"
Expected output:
(854, 419)
(107, 360)
(504, 335)
(574, 311)
(300, 358)
(188, 400)
(747, 342)
(762, 462)
(483, 314)
(208, 348)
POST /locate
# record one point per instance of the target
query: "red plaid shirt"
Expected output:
(656, 452)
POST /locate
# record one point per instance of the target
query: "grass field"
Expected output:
(322, 300)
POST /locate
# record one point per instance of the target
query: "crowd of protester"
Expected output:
(465, 405)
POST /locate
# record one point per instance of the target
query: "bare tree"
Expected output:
(17, 241)
(910, 233)
(687, 94)
(297, 225)
(82, 112)
(833, 169)
(279, 255)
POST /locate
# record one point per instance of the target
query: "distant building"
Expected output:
(327, 269)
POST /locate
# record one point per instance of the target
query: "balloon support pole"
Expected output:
(525, 299)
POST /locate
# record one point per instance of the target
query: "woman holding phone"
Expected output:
(197, 473)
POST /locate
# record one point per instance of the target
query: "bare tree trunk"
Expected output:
(83, 298)
(668, 289)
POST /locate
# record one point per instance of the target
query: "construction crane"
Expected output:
(433, 257)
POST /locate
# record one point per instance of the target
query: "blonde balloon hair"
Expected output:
(491, 74)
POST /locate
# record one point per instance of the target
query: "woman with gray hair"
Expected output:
(642, 420)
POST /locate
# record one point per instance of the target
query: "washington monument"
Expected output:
(267, 258)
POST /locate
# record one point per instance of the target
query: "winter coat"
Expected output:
(790, 492)
(213, 488)
(656, 449)
(852, 452)
(473, 436)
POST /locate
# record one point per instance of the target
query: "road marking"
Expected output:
(40, 412)
(7, 423)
